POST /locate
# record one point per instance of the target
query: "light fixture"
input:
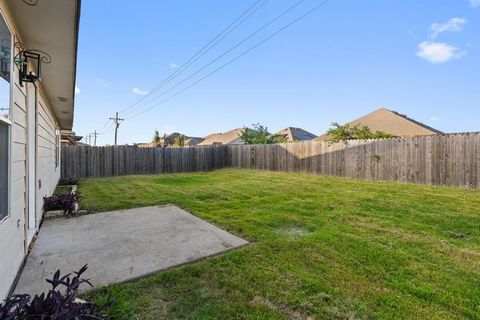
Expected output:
(29, 63)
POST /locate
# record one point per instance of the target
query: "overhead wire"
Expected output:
(234, 59)
(263, 27)
(205, 49)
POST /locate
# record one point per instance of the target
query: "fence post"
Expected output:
(450, 160)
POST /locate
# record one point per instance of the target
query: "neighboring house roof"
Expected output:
(189, 141)
(229, 137)
(69, 137)
(52, 26)
(193, 141)
(393, 123)
(169, 140)
(296, 134)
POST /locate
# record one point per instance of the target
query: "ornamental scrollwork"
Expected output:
(31, 3)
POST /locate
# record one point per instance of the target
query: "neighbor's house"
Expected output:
(32, 117)
(296, 134)
(229, 137)
(169, 140)
(393, 123)
(69, 138)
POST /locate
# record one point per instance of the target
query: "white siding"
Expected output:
(47, 172)
(13, 229)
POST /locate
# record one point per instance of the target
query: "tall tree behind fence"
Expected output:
(446, 160)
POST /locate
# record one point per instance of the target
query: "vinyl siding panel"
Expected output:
(13, 229)
(48, 173)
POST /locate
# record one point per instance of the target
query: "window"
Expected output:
(5, 72)
(5, 68)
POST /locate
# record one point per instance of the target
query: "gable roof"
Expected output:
(392, 122)
(296, 134)
(168, 140)
(229, 137)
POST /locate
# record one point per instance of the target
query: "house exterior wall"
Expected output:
(13, 229)
(48, 169)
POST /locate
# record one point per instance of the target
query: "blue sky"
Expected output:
(350, 57)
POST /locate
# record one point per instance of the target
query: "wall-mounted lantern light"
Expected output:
(29, 63)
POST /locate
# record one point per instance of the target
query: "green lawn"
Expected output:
(322, 248)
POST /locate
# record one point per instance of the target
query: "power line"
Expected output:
(229, 50)
(105, 125)
(95, 134)
(117, 121)
(109, 128)
(199, 54)
(88, 139)
(234, 59)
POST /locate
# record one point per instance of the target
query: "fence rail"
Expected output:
(445, 160)
(99, 162)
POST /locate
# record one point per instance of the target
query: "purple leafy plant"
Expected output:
(56, 304)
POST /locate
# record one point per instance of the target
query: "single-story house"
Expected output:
(169, 140)
(296, 134)
(37, 103)
(391, 122)
(229, 137)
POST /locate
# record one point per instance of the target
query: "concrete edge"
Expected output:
(134, 279)
(191, 262)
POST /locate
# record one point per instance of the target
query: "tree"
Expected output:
(260, 135)
(340, 133)
(156, 137)
(179, 141)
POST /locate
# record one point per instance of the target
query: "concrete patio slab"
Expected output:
(121, 245)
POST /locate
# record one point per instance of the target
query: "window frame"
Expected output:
(9, 168)
(8, 121)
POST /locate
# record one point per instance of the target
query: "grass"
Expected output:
(322, 248)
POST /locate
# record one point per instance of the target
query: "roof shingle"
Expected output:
(393, 123)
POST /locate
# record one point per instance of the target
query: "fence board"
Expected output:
(444, 160)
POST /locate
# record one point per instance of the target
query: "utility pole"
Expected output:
(117, 121)
(95, 134)
(88, 139)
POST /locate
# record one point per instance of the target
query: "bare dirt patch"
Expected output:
(295, 231)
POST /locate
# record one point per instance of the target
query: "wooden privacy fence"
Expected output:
(445, 160)
(98, 162)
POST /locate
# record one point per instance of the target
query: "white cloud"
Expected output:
(173, 65)
(437, 52)
(474, 3)
(452, 25)
(77, 90)
(139, 92)
(434, 119)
